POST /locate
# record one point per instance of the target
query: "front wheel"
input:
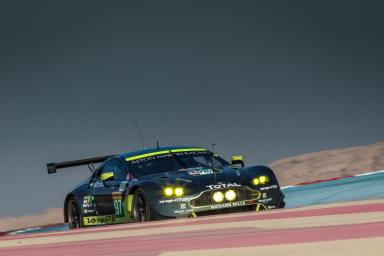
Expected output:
(74, 219)
(141, 210)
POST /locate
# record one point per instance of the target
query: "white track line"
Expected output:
(356, 175)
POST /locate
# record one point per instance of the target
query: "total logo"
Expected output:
(229, 185)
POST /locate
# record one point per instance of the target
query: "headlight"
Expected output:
(218, 197)
(168, 191)
(179, 191)
(230, 195)
(263, 179)
(260, 180)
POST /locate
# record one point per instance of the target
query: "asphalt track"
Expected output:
(362, 187)
(353, 228)
(356, 228)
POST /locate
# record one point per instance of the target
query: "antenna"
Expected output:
(213, 161)
(157, 145)
(139, 132)
(213, 154)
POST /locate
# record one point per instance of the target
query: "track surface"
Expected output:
(357, 227)
(361, 187)
(353, 228)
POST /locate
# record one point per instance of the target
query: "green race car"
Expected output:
(165, 183)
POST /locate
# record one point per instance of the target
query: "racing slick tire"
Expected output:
(140, 207)
(74, 217)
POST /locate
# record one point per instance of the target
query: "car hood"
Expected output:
(199, 179)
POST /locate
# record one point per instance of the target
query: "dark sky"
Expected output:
(268, 79)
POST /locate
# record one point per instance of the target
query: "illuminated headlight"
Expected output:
(168, 191)
(260, 180)
(263, 179)
(179, 191)
(230, 195)
(218, 197)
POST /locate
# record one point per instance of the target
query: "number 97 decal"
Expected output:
(117, 204)
(118, 207)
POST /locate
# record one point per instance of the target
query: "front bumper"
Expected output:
(248, 199)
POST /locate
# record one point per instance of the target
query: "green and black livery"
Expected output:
(166, 183)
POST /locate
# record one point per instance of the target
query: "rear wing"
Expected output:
(52, 167)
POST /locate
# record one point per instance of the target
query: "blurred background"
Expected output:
(266, 79)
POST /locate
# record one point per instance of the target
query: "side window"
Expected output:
(115, 166)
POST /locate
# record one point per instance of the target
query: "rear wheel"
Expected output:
(141, 211)
(74, 219)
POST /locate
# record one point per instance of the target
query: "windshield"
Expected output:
(173, 162)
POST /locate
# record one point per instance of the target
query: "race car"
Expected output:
(166, 183)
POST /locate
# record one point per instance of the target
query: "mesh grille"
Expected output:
(206, 198)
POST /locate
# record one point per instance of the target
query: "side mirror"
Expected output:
(107, 176)
(237, 161)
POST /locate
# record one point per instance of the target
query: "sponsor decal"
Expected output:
(150, 158)
(165, 153)
(183, 211)
(265, 201)
(97, 184)
(186, 153)
(175, 200)
(200, 172)
(89, 202)
(268, 188)
(96, 220)
(89, 211)
(227, 205)
(117, 203)
(166, 201)
(229, 185)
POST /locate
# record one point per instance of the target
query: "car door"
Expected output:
(105, 188)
